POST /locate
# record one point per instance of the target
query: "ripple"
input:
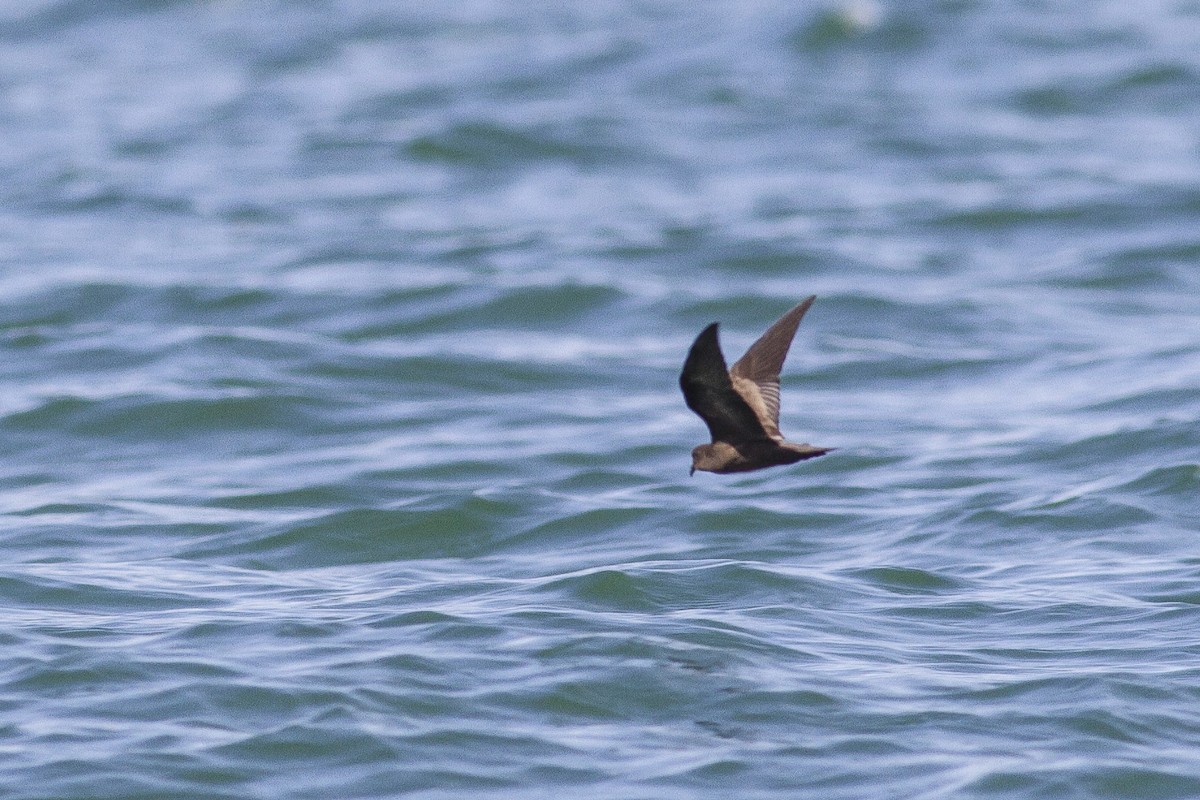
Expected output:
(903, 580)
(483, 144)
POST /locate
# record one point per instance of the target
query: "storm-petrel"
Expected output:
(741, 406)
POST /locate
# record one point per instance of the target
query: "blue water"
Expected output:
(344, 453)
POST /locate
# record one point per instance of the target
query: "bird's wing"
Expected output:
(708, 391)
(756, 374)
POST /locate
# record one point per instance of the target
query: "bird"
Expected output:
(740, 406)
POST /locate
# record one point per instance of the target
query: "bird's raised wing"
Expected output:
(708, 390)
(756, 374)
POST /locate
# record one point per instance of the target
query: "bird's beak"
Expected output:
(692, 471)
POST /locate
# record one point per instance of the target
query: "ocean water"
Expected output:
(344, 455)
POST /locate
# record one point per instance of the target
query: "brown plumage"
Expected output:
(740, 406)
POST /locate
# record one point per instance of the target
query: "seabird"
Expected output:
(740, 406)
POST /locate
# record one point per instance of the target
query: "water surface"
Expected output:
(344, 450)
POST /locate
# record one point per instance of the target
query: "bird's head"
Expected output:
(712, 457)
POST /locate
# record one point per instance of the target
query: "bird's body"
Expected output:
(740, 406)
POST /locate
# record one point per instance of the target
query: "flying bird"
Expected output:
(740, 406)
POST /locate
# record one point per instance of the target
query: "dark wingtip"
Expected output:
(709, 332)
(704, 340)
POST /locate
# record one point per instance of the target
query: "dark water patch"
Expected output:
(721, 769)
(390, 104)
(76, 192)
(217, 304)
(636, 692)
(719, 643)
(1105, 725)
(570, 701)
(69, 306)
(534, 307)
(878, 360)
(539, 307)
(250, 707)
(1028, 217)
(22, 338)
(611, 589)
(859, 460)
(1048, 35)
(323, 746)
(1170, 264)
(761, 528)
(585, 457)
(60, 510)
(143, 418)
(480, 247)
(1184, 597)
(1130, 444)
(308, 497)
(417, 309)
(1088, 513)
(948, 611)
(461, 757)
(45, 593)
(1155, 85)
(1156, 75)
(1135, 783)
(487, 145)
(475, 633)
(1121, 275)
(1054, 100)
(585, 525)
(999, 782)
(104, 312)
(61, 15)
(1182, 480)
(961, 477)
(444, 631)
(908, 580)
(465, 472)
(1149, 401)
(607, 480)
(56, 538)
(150, 146)
(333, 148)
(452, 528)
(673, 242)
(449, 375)
(623, 639)
(427, 619)
(121, 778)
(766, 258)
(1129, 688)
(660, 590)
(952, 319)
(89, 677)
(760, 706)
(1032, 692)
